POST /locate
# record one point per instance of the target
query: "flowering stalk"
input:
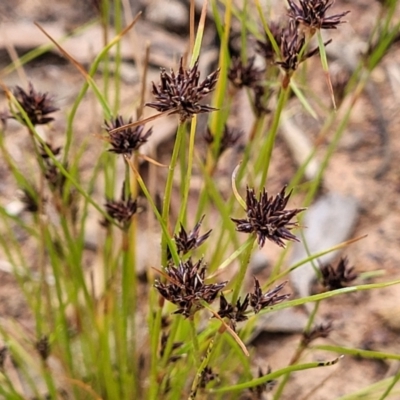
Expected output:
(325, 67)
(168, 188)
(264, 160)
(188, 172)
(217, 121)
(129, 281)
(243, 267)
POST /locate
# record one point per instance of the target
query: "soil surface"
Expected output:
(365, 166)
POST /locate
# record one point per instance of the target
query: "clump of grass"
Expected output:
(182, 331)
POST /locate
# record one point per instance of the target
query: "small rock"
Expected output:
(328, 222)
(170, 14)
(287, 320)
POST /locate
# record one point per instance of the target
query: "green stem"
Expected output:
(264, 160)
(168, 188)
(155, 330)
(200, 370)
(188, 173)
(195, 341)
(243, 268)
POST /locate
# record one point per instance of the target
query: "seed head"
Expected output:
(244, 74)
(258, 300)
(339, 277)
(230, 137)
(267, 217)
(30, 200)
(181, 93)
(43, 347)
(264, 47)
(54, 177)
(185, 287)
(175, 346)
(266, 387)
(319, 331)
(207, 375)
(292, 44)
(122, 210)
(311, 14)
(235, 313)
(36, 105)
(190, 241)
(128, 140)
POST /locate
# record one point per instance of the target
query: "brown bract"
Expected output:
(267, 217)
(36, 105)
(185, 287)
(181, 93)
(311, 14)
(128, 140)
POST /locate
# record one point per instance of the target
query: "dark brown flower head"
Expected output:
(319, 331)
(258, 390)
(258, 300)
(207, 375)
(43, 347)
(185, 287)
(54, 177)
(339, 277)
(128, 140)
(312, 14)
(190, 241)
(235, 313)
(291, 47)
(122, 210)
(264, 47)
(181, 93)
(259, 102)
(36, 105)
(31, 200)
(54, 150)
(175, 346)
(292, 52)
(244, 75)
(267, 217)
(230, 137)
